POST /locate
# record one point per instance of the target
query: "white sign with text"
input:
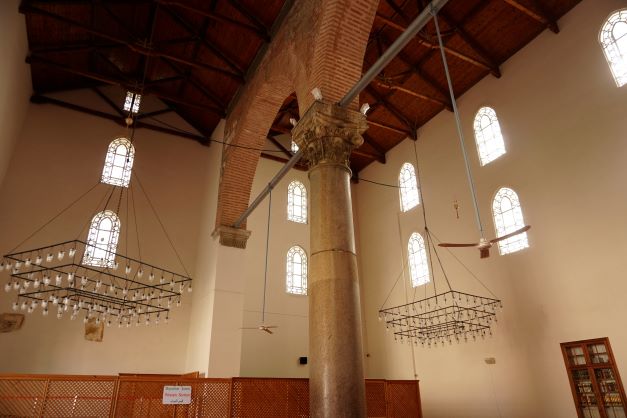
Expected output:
(177, 395)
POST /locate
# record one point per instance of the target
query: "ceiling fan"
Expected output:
(263, 327)
(484, 245)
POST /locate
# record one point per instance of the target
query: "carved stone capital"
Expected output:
(232, 237)
(328, 133)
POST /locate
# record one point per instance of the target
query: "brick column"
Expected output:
(328, 134)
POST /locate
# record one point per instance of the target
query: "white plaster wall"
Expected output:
(59, 155)
(276, 355)
(562, 118)
(15, 84)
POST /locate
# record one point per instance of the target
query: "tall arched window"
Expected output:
(297, 202)
(488, 135)
(613, 39)
(418, 265)
(296, 280)
(102, 240)
(408, 187)
(508, 217)
(118, 163)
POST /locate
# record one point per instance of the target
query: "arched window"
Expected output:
(508, 217)
(297, 202)
(488, 135)
(613, 39)
(408, 187)
(418, 266)
(296, 281)
(102, 240)
(118, 163)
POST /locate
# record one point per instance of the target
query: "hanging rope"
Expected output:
(458, 123)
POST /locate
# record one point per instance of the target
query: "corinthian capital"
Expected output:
(328, 133)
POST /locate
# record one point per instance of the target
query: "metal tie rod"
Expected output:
(396, 47)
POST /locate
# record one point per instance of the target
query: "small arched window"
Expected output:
(118, 163)
(418, 265)
(102, 240)
(297, 202)
(296, 280)
(488, 135)
(408, 187)
(613, 39)
(508, 217)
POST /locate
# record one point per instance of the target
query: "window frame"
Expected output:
(110, 248)
(405, 190)
(422, 252)
(608, 41)
(107, 176)
(289, 282)
(501, 244)
(590, 367)
(304, 218)
(487, 159)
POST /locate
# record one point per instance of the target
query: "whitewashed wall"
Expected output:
(563, 122)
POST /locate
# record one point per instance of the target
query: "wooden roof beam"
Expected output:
(122, 83)
(138, 48)
(199, 36)
(396, 87)
(248, 14)
(40, 99)
(429, 44)
(539, 15)
(390, 128)
(280, 146)
(472, 43)
(110, 102)
(261, 33)
(379, 154)
(390, 107)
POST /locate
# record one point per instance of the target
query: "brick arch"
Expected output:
(321, 44)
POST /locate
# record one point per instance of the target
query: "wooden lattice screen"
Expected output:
(126, 396)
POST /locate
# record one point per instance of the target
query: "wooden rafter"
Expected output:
(130, 44)
(40, 99)
(539, 14)
(280, 146)
(391, 108)
(117, 82)
(259, 32)
(222, 55)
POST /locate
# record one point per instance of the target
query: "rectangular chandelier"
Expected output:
(442, 318)
(125, 291)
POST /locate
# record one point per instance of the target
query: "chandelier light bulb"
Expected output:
(46, 280)
(60, 255)
(23, 306)
(162, 280)
(98, 284)
(55, 300)
(44, 312)
(57, 280)
(36, 283)
(30, 309)
(111, 288)
(44, 303)
(125, 291)
(16, 285)
(38, 260)
(189, 289)
(178, 303)
(27, 262)
(115, 265)
(18, 265)
(83, 280)
(72, 252)
(140, 273)
(15, 306)
(127, 270)
(49, 257)
(66, 301)
(7, 266)
(26, 285)
(7, 287)
(85, 320)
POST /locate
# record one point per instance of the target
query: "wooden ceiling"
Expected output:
(194, 55)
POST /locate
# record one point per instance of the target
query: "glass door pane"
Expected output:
(598, 353)
(610, 393)
(585, 394)
(576, 356)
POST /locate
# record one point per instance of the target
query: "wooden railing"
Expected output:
(131, 396)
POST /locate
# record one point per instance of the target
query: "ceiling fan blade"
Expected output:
(511, 234)
(448, 244)
(268, 331)
(271, 326)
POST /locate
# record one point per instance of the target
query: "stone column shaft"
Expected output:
(336, 378)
